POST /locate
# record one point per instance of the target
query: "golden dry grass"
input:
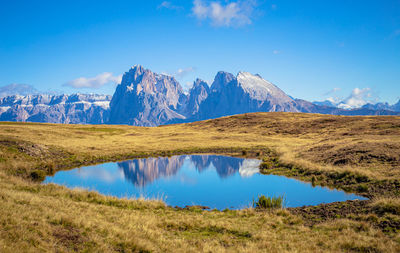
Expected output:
(36, 217)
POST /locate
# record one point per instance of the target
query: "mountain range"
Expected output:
(378, 106)
(69, 109)
(145, 98)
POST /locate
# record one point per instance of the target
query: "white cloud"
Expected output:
(333, 100)
(180, 72)
(200, 10)
(183, 72)
(94, 82)
(169, 5)
(233, 13)
(357, 98)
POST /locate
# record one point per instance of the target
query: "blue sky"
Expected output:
(310, 49)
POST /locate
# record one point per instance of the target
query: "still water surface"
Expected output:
(209, 180)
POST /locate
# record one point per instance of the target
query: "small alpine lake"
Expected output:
(214, 181)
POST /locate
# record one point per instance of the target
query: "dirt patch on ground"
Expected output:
(37, 151)
(360, 210)
(323, 212)
(361, 153)
(69, 237)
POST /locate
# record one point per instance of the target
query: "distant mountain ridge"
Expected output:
(376, 107)
(383, 106)
(145, 98)
(69, 109)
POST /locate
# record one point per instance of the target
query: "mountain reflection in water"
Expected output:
(210, 180)
(142, 172)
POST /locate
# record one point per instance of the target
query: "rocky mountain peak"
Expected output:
(146, 98)
(197, 94)
(137, 69)
(221, 79)
(199, 83)
(260, 89)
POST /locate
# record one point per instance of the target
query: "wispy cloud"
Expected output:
(94, 82)
(357, 98)
(17, 89)
(183, 72)
(276, 52)
(169, 5)
(333, 91)
(232, 13)
(180, 73)
(333, 97)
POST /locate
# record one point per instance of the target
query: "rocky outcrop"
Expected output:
(197, 94)
(145, 98)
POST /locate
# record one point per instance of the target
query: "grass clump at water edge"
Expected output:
(264, 202)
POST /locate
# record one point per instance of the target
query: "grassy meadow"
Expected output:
(356, 154)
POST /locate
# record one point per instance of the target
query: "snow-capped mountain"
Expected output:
(376, 107)
(325, 103)
(73, 109)
(244, 93)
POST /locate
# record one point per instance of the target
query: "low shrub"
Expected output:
(362, 188)
(38, 175)
(268, 202)
(266, 165)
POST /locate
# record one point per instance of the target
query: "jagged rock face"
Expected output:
(241, 94)
(68, 109)
(197, 94)
(145, 98)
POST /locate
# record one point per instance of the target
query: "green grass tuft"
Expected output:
(268, 202)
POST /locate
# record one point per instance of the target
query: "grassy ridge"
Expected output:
(360, 154)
